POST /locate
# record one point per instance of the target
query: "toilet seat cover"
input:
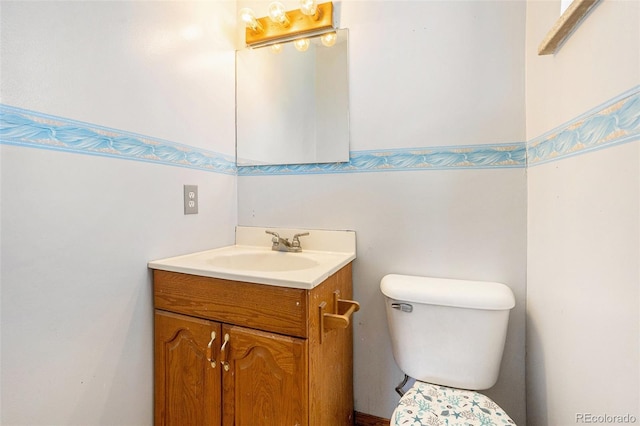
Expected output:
(426, 404)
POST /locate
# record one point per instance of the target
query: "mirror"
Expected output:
(292, 107)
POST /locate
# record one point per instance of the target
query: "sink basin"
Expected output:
(270, 261)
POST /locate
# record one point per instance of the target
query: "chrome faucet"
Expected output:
(283, 244)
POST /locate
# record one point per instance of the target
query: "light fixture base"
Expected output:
(300, 25)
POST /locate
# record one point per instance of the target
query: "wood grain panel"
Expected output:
(363, 419)
(301, 375)
(565, 25)
(266, 383)
(330, 361)
(270, 308)
(187, 388)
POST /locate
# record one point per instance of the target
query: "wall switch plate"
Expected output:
(191, 199)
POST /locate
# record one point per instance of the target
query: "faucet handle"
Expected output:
(275, 238)
(296, 240)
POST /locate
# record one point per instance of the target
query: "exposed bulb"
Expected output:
(301, 44)
(308, 7)
(329, 39)
(278, 14)
(249, 18)
(276, 48)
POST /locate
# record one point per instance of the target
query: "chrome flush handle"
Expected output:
(404, 307)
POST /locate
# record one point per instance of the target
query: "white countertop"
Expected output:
(252, 260)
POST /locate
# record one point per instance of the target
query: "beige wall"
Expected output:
(583, 225)
(78, 230)
(437, 74)
(599, 61)
(421, 74)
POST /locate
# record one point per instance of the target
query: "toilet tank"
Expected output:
(445, 331)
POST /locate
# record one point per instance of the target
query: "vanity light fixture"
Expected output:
(280, 26)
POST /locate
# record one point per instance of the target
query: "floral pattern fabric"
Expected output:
(433, 405)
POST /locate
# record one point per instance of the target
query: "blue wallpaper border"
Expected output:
(26, 128)
(615, 122)
(510, 155)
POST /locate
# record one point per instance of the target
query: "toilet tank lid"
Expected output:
(448, 292)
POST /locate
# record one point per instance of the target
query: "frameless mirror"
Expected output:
(292, 107)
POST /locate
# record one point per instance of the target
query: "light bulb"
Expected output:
(308, 7)
(301, 44)
(276, 48)
(278, 14)
(329, 39)
(249, 18)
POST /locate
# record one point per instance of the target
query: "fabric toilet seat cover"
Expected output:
(427, 404)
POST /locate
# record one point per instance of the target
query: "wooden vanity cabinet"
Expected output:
(285, 361)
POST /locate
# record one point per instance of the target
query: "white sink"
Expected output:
(252, 260)
(263, 261)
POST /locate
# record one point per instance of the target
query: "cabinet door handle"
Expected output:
(223, 353)
(210, 350)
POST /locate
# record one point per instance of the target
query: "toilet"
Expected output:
(448, 335)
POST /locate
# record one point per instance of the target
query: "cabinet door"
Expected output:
(187, 385)
(266, 382)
